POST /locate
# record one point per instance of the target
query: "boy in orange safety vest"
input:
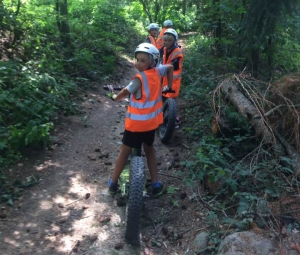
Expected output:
(144, 113)
(159, 41)
(171, 54)
(153, 29)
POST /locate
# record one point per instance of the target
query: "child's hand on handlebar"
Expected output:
(111, 95)
(165, 89)
(110, 88)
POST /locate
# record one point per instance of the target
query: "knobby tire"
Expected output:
(135, 201)
(166, 129)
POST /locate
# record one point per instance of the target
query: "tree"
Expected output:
(258, 29)
(62, 22)
(151, 7)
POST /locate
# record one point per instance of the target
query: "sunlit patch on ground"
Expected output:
(47, 164)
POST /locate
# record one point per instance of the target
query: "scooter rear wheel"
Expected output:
(135, 201)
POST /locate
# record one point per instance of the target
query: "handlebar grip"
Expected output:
(113, 87)
(169, 91)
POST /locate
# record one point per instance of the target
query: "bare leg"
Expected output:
(151, 161)
(121, 162)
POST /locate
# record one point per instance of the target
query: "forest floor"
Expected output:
(69, 210)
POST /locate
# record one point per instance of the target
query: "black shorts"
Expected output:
(136, 139)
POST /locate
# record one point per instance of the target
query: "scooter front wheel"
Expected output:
(166, 129)
(135, 201)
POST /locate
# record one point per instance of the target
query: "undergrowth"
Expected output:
(43, 76)
(231, 167)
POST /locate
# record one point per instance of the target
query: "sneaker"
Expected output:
(157, 188)
(112, 187)
(177, 122)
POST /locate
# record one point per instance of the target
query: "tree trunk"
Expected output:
(253, 61)
(218, 31)
(146, 10)
(62, 22)
(235, 93)
(184, 7)
(232, 92)
(270, 56)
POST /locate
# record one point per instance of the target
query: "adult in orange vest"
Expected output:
(167, 24)
(144, 112)
(153, 29)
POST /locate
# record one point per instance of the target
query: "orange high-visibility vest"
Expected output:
(159, 40)
(145, 114)
(176, 53)
(152, 40)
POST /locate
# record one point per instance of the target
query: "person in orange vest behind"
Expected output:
(159, 41)
(153, 30)
(171, 54)
(144, 113)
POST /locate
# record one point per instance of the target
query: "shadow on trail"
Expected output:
(70, 211)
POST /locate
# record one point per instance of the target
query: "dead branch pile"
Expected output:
(272, 109)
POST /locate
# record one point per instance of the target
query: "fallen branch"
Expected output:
(230, 89)
(185, 146)
(274, 109)
(170, 176)
(73, 202)
(250, 108)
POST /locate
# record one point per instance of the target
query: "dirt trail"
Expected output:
(70, 211)
(71, 199)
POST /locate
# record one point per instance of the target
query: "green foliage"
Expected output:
(28, 105)
(147, 11)
(234, 171)
(42, 76)
(212, 162)
(242, 182)
(200, 68)
(287, 50)
(198, 80)
(259, 36)
(172, 190)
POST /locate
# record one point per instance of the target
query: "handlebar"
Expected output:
(169, 91)
(113, 87)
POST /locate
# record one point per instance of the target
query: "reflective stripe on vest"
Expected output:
(145, 114)
(144, 117)
(174, 54)
(159, 40)
(143, 105)
(176, 76)
(152, 40)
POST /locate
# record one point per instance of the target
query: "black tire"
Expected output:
(135, 201)
(166, 129)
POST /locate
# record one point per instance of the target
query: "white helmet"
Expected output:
(147, 48)
(153, 25)
(172, 32)
(168, 23)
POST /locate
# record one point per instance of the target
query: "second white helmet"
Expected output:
(168, 23)
(172, 32)
(153, 25)
(147, 48)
